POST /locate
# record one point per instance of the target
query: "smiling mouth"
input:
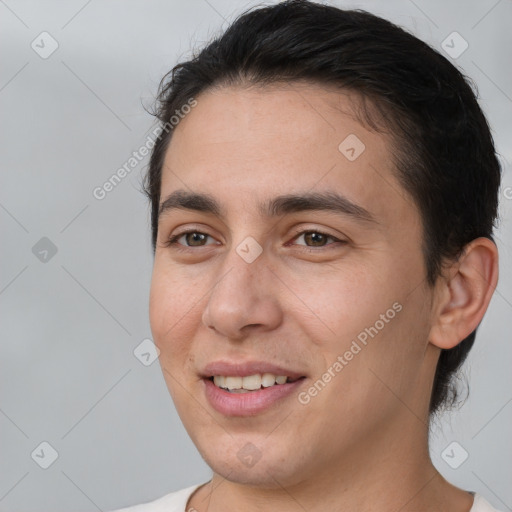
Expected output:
(256, 382)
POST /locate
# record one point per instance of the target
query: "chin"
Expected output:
(260, 475)
(241, 461)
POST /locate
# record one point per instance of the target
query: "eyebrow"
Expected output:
(277, 206)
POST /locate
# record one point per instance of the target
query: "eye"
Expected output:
(192, 238)
(315, 238)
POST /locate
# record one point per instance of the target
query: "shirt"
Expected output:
(177, 501)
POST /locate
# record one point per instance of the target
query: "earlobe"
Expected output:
(463, 296)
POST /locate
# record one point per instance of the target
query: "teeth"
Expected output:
(267, 380)
(249, 383)
(220, 381)
(233, 382)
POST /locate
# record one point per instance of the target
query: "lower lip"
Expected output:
(247, 404)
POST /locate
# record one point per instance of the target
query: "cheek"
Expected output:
(162, 307)
(338, 303)
(369, 317)
(173, 307)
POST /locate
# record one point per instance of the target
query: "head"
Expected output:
(302, 99)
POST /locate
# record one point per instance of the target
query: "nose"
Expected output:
(244, 299)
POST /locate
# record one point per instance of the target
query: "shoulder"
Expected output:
(482, 505)
(173, 502)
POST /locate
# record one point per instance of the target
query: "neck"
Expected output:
(382, 473)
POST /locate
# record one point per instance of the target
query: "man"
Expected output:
(322, 214)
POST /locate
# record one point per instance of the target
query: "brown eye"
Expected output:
(195, 239)
(315, 238)
(191, 239)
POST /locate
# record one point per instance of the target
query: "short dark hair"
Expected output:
(444, 152)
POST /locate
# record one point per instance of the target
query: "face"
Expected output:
(333, 298)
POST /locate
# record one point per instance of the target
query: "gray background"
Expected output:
(70, 325)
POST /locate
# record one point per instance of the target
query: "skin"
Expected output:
(362, 442)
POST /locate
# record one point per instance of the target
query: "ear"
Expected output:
(463, 294)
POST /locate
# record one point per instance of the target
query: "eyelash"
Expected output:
(173, 240)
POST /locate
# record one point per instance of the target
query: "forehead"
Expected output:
(279, 139)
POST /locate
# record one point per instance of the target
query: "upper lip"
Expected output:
(244, 369)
